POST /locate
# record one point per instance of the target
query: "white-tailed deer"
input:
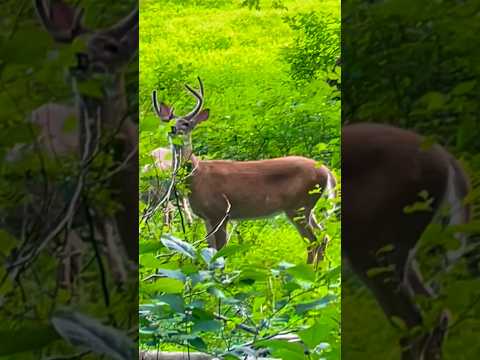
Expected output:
(222, 189)
(101, 123)
(384, 171)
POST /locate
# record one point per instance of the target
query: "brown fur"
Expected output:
(258, 189)
(383, 170)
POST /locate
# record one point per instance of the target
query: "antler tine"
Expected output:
(123, 26)
(201, 85)
(155, 103)
(199, 98)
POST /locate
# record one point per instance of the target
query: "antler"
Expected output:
(123, 26)
(62, 21)
(199, 98)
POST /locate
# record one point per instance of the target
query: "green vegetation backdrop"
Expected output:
(266, 99)
(413, 64)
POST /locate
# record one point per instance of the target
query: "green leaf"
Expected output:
(207, 254)
(92, 88)
(216, 292)
(433, 100)
(179, 246)
(284, 350)
(7, 242)
(149, 261)
(169, 286)
(315, 305)
(206, 326)
(197, 342)
(253, 274)
(87, 332)
(315, 334)
(464, 87)
(302, 272)
(172, 274)
(27, 337)
(376, 271)
(229, 250)
(385, 249)
(174, 301)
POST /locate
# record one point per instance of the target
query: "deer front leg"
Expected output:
(218, 233)
(71, 260)
(114, 252)
(319, 251)
(188, 211)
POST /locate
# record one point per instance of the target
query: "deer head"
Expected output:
(186, 123)
(107, 50)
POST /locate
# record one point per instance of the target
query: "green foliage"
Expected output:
(233, 301)
(317, 47)
(412, 64)
(33, 72)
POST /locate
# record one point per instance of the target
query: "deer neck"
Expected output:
(114, 106)
(188, 158)
(111, 108)
(110, 111)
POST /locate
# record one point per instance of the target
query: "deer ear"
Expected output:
(62, 21)
(201, 116)
(165, 112)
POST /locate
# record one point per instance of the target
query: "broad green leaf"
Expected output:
(172, 274)
(216, 292)
(7, 242)
(179, 246)
(85, 331)
(315, 334)
(206, 326)
(302, 272)
(169, 286)
(284, 350)
(229, 250)
(315, 305)
(28, 337)
(174, 301)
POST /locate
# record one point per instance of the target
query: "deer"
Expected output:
(101, 123)
(385, 169)
(223, 190)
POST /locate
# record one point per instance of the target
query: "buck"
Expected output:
(384, 171)
(221, 189)
(100, 123)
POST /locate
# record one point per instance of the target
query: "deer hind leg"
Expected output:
(322, 247)
(218, 238)
(397, 303)
(301, 221)
(431, 343)
(395, 292)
